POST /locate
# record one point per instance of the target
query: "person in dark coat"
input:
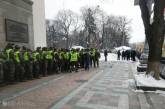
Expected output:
(86, 59)
(105, 55)
(118, 55)
(128, 55)
(133, 55)
(123, 55)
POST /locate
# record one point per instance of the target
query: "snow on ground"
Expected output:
(110, 57)
(123, 48)
(149, 81)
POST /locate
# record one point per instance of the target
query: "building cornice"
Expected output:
(30, 2)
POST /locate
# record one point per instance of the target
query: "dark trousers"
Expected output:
(44, 67)
(9, 71)
(28, 70)
(74, 66)
(105, 58)
(97, 62)
(19, 72)
(50, 66)
(55, 67)
(86, 64)
(36, 69)
(94, 62)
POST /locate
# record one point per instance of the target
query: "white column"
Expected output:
(39, 23)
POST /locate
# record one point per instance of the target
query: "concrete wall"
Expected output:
(39, 23)
(20, 11)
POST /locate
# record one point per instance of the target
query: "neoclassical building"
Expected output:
(22, 22)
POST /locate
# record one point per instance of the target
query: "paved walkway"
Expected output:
(108, 89)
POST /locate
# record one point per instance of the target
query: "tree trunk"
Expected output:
(67, 41)
(154, 35)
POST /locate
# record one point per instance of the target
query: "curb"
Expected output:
(144, 88)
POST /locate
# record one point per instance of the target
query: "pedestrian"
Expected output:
(123, 55)
(105, 55)
(118, 55)
(133, 55)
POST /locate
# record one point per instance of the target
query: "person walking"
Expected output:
(118, 55)
(105, 55)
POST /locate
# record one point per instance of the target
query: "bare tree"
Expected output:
(154, 32)
(66, 19)
(116, 31)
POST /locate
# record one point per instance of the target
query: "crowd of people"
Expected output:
(21, 64)
(126, 55)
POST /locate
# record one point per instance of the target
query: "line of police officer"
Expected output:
(22, 64)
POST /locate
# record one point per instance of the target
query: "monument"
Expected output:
(22, 22)
(16, 23)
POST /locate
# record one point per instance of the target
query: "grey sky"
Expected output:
(111, 7)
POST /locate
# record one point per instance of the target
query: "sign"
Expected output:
(16, 31)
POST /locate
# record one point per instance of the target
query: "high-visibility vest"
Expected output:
(93, 53)
(34, 56)
(17, 56)
(26, 56)
(49, 55)
(74, 57)
(8, 51)
(55, 53)
(43, 54)
(66, 55)
(61, 55)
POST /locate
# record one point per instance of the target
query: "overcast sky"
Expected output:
(111, 7)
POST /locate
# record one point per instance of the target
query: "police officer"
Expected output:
(86, 59)
(62, 60)
(93, 53)
(27, 65)
(97, 57)
(74, 60)
(44, 61)
(56, 61)
(19, 69)
(49, 58)
(9, 66)
(36, 68)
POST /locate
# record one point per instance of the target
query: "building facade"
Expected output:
(39, 23)
(22, 22)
